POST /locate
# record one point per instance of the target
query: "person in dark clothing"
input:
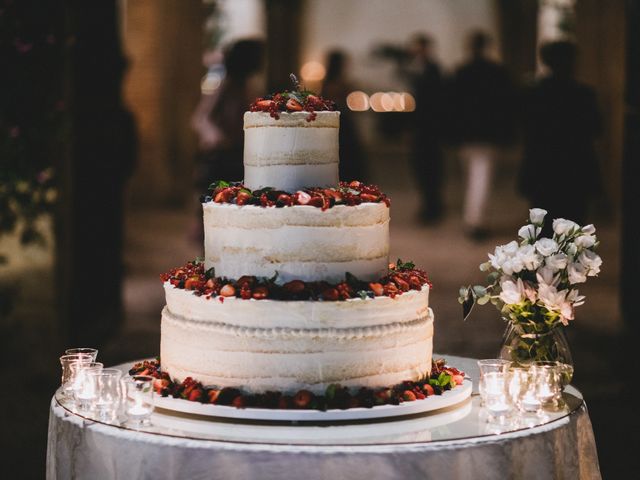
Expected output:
(561, 121)
(482, 123)
(336, 87)
(218, 121)
(426, 155)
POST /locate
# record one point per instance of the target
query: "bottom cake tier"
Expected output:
(286, 346)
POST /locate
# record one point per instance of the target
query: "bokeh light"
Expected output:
(210, 83)
(358, 101)
(312, 71)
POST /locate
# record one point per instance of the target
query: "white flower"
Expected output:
(546, 276)
(512, 265)
(528, 257)
(502, 255)
(536, 215)
(556, 301)
(585, 241)
(529, 232)
(546, 246)
(577, 273)
(556, 262)
(571, 249)
(512, 292)
(589, 229)
(530, 292)
(562, 226)
(575, 298)
(591, 262)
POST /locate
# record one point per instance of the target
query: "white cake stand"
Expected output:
(449, 398)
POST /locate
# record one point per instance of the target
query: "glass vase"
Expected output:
(525, 348)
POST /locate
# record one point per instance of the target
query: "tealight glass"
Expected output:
(108, 393)
(84, 388)
(493, 391)
(548, 382)
(83, 350)
(68, 377)
(522, 389)
(490, 365)
(139, 401)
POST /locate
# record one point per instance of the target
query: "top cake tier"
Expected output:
(291, 152)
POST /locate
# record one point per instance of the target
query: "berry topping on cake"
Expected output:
(192, 276)
(347, 193)
(297, 100)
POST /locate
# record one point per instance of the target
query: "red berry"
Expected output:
(264, 103)
(302, 399)
(238, 402)
(366, 197)
(459, 379)
(242, 198)
(192, 283)
(195, 395)
(428, 389)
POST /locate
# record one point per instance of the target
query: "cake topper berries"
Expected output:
(297, 100)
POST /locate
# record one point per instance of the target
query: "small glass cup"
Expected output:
(85, 350)
(493, 391)
(108, 390)
(68, 377)
(522, 389)
(139, 401)
(549, 383)
(84, 388)
(490, 365)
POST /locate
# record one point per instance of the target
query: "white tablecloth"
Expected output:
(562, 449)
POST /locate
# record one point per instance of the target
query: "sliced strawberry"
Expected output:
(228, 290)
(302, 399)
(242, 198)
(293, 105)
(428, 389)
(377, 289)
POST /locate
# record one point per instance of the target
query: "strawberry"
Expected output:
(260, 292)
(316, 202)
(382, 396)
(459, 379)
(294, 287)
(293, 105)
(367, 197)
(301, 198)
(284, 200)
(264, 104)
(223, 196)
(377, 289)
(228, 290)
(192, 283)
(408, 396)
(428, 389)
(159, 384)
(242, 198)
(302, 399)
(213, 395)
(330, 294)
(195, 395)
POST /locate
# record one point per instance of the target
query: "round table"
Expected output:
(459, 442)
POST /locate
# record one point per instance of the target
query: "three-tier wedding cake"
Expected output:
(295, 290)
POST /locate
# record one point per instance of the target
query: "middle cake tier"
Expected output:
(297, 242)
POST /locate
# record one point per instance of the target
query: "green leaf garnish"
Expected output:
(400, 265)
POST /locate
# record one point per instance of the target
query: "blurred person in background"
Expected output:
(337, 87)
(561, 122)
(482, 123)
(426, 157)
(218, 120)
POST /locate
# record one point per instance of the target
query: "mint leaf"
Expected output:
(400, 265)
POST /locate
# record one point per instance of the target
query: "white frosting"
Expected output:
(264, 345)
(290, 153)
(298, 242)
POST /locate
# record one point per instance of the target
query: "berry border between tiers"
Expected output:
(402, 277)
(441, 379)
(347, 194)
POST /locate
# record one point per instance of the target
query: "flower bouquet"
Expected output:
(533, 283)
